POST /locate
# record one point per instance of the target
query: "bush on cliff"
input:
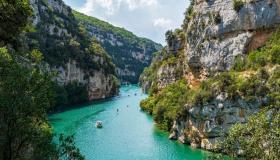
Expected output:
(237, 5)
(166, 105)
(266, 55)
(257, 139)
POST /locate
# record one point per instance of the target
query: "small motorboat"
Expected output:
(98, 124)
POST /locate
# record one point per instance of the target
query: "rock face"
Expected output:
(204, 125)
(167, 65)
(130, 53)
(99, 85)
(69, 51)
(216, 34)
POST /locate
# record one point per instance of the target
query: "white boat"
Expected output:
(98, 124)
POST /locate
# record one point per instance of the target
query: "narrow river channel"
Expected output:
(128, 134)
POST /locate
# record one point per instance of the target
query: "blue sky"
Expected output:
(145, 18)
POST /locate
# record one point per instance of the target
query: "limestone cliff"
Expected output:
(167, 65)
(99, 85)
(70, 51)
(217, 33)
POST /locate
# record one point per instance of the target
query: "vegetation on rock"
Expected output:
(238, 4)
(63, 41)
(13, 18)
(67, 40)
(253, 78)
(171, 55)
(257, 139)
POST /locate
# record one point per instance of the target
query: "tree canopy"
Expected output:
(13, 18)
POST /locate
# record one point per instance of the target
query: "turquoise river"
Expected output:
(128, 134)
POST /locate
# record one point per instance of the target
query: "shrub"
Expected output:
(217, 18)
(237, 5)
(256, 138)
(167, 105)
(239, 64)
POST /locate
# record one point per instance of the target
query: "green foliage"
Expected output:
(115, 84)
(108, 28)
(167, 104)
(174, 37)
(250, 86)
(36, 56)
(274, 85)
(96, 49)
(217, 18)
(188, 15)
(13, 18)
(25, 97)
(239, 64)
(267, 55)
(67, 149)
(259, 138)
(60, 95)
(164, 58)
(26, 93)
(238, 4)
(71, 94)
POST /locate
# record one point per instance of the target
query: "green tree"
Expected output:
(26, 94)
(67, 149)
(25, 97)
(13, 18)
(257, 139)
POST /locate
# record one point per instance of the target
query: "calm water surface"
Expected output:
(129, 134)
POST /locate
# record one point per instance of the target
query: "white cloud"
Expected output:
(89, 6)
(162, 22)
(112, 6)
(145, 18)
(149, 2)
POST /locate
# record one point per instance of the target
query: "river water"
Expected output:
(128, 134)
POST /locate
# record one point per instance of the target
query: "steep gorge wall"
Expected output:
(216, 34)
(99, 85)
(69, 51)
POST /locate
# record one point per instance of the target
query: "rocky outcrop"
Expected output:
(205, 125)
(168, 65)
(98, 84)
(217, 33)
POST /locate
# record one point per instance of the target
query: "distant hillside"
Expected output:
(130, 54)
